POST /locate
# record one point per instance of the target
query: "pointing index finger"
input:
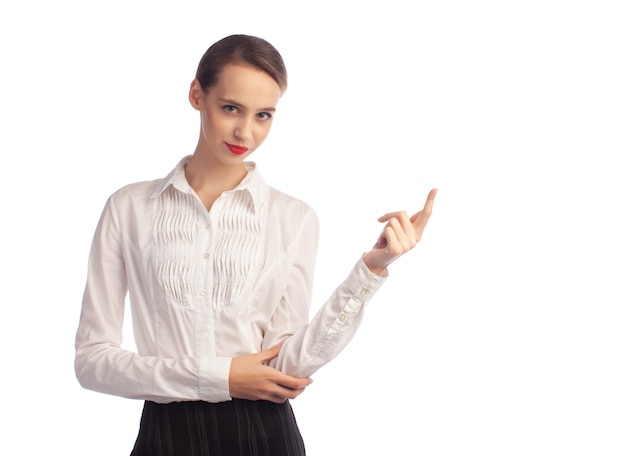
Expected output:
(430, 200)
(428, 207)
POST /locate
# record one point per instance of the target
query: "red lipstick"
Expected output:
(237, 150)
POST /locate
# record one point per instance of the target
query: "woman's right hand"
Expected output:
(251, 379)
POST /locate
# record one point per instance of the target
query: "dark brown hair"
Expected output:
(245, 49)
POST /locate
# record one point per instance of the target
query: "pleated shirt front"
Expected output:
(204, 287)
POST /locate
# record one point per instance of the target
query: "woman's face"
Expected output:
(236, 113)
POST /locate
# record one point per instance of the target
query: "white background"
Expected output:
(502, 333)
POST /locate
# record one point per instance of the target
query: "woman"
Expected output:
(218, 267)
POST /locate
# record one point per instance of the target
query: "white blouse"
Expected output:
(207, 286)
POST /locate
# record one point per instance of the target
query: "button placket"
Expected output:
(203, 276)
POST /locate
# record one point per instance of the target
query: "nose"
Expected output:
(243, 129)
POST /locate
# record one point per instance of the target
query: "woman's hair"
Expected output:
(244, 49)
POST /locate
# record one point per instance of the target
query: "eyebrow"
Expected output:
(239, 105)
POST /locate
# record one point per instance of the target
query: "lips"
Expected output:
(237, 150)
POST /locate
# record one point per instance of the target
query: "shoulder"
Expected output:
(290, 216)
(285, 204)
(134, 193)
(292, 220)
(144, 191)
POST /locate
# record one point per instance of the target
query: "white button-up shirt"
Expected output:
(207, 286)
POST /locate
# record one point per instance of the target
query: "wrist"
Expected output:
(372, 266)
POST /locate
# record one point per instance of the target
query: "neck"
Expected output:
(210, 179)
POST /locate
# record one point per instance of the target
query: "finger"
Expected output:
(288, 393)
(382, 239)
(430, 200)
(405, 238)
(270, 353)
(293, 383)
(428, 207)
(403, 225)
(390, 215)
(396, 233)
(422, 216)
(282, 396)
(286, 386)
(292, 394)
(392, 239)
(280, 393)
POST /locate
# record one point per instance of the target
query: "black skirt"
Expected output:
(237, 427)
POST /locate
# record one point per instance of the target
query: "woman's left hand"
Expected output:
(399, 236)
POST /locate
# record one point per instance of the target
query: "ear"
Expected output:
(195, 94)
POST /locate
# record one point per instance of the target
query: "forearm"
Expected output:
(334, 325)
(112, 370)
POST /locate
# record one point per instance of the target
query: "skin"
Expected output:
(239, 110)
(401, 234)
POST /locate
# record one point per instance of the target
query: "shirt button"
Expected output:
(204, 292)
(207, 226)
(342, 317)
(205, 256)
(364, 291)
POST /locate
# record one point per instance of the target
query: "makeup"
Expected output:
(237, 150)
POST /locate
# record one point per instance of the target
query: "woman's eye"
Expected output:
(230, 108)
(264, 115)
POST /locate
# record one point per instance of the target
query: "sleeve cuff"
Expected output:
(363, 283)
(213, 379)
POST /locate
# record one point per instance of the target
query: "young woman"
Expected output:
(218, 267)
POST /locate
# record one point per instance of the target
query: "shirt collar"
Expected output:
(253, 183)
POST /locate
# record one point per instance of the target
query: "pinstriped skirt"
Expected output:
(235, 428)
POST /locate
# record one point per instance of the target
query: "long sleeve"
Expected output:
(103, 365)
(333, 326)
(313, 344)
(204, 287)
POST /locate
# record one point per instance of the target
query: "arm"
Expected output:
(312, 345)
(251, 378)
(257, 376)
(101, 363)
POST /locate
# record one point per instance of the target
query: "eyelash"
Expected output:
(261, 115)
